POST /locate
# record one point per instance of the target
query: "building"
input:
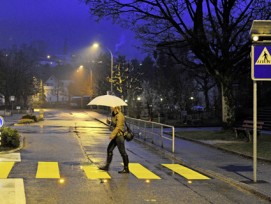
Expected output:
(56, 90)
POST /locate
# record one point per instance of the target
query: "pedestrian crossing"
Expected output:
(51, 170)
(12, 189)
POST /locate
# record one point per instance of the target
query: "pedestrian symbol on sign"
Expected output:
(264, 58)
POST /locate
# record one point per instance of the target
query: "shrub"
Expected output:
(9, 137)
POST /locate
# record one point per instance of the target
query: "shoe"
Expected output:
(104, 168)
(124, 171)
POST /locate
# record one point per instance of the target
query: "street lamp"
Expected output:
(79, 68)
(96, 45)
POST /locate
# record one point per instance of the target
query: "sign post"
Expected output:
(260, 70)
(12, 99)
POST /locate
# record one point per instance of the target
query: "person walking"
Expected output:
(117, 139)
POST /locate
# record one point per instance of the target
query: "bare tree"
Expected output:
(133, 84)
(18, 75)
(216, 31)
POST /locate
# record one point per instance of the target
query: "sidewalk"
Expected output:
(233, 169)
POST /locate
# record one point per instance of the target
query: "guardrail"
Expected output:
(154, 132)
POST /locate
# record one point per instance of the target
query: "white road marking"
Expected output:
(13, 157)
(12, 191)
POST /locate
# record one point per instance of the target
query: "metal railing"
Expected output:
(156, 133)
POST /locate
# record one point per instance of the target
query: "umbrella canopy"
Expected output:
(107, 100)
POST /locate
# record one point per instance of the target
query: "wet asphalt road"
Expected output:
(75, 138)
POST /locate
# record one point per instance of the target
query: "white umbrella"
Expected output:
(107, 100)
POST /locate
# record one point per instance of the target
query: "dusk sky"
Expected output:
(53, 21)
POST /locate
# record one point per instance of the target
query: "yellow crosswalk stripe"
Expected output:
(93, 172)
(51, 170)
(186, 172)
(5, 168)
(141, 172)
(48, 170)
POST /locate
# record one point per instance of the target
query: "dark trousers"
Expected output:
(119, 142)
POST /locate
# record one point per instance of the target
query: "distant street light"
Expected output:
(79, 68)
(96, 45)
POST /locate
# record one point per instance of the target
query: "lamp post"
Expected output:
(138, 107)
(111, 68)
(95, 45)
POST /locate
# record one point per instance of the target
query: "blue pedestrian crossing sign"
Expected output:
(1, 121)
(261, 62)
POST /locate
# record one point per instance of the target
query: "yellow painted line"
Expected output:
(5, 168)
(186, 172)
(93, 172)
(48, 170)
(141, 172)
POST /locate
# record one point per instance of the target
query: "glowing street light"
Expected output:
(80, 68)
(95, 45)
(255, 38)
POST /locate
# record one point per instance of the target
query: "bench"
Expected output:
(247, 129)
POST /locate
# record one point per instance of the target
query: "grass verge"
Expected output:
(226, 140)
